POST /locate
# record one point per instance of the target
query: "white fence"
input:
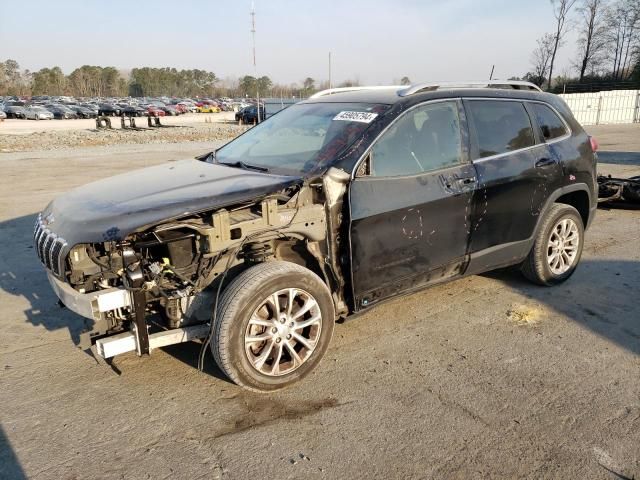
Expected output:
(600, 108)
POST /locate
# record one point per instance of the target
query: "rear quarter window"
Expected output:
(500, 126)
(550, 124)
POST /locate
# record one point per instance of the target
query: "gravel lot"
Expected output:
(14, 126)
(26, 135)
(485, 377)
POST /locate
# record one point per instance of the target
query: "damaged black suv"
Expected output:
(331, 206)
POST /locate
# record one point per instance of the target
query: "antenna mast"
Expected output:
(255, 69)
(253, 33)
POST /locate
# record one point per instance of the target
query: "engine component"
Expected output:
(621, 191)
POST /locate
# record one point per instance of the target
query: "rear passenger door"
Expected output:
(410, 204)
(516, 174)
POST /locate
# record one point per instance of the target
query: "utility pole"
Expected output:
(491, 76)
(329, 69)
(255, 69)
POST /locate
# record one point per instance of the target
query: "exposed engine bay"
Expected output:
(171, 269)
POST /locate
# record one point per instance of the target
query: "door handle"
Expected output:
(457, 185)
(466, 181)
(545, 162)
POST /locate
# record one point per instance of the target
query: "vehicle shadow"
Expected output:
(10, 467)
(23, 276)
(601, 296)
(188, 353)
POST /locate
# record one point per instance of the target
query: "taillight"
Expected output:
(594, 144)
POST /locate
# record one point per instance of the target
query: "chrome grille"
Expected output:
(49, 247)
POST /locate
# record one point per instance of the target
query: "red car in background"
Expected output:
(206, 102)
(154, 111)
(181, 108)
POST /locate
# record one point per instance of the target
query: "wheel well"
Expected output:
(578, 200)
(295, 251)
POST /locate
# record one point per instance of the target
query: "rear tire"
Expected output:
(264, 347)
(557, 247)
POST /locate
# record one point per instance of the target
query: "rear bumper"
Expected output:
(92, 305)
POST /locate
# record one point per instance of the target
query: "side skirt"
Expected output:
(498, 256)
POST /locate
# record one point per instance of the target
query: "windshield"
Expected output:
(301, 138)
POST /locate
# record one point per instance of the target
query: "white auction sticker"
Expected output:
(362, 117)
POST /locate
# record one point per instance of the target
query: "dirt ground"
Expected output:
(12, 126)
(484, 377)
(29, 135)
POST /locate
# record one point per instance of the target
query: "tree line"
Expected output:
(95, 81)
(607, 48)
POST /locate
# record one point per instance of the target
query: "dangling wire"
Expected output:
(207, 340)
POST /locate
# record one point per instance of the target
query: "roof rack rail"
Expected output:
(514, 84)
(331, 91)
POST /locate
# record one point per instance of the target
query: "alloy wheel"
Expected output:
(283, 332)
(562, 248)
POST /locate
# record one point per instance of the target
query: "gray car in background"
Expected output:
(36, 112)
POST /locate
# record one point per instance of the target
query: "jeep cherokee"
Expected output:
(327, 208)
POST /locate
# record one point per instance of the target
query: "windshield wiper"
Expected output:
(246, 166)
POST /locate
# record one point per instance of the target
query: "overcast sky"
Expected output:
(374, 41)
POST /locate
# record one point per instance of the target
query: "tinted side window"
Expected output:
(550, 124)
(501, 126)
(424, 139)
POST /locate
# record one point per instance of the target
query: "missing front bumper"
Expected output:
(92, 305)
(109, 347)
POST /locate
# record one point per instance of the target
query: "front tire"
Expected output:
(557, 248)
(273, 325)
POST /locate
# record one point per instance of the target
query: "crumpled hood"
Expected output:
(112, 208)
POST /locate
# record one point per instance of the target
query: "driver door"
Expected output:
(411, 204)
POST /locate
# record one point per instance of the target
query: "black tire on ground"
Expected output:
(536, 267)
(238, 302)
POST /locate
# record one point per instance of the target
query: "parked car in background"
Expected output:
(154, 111)
(83, 112)
(108, 109)
(208, 108)
(190, 107)
(2, 115)
(238, 114)
(61, 112)
(15, 111)
(180, 108)
(132, 111)
(37, 112)
(91, 106)
(170, 110)
(250, 114)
